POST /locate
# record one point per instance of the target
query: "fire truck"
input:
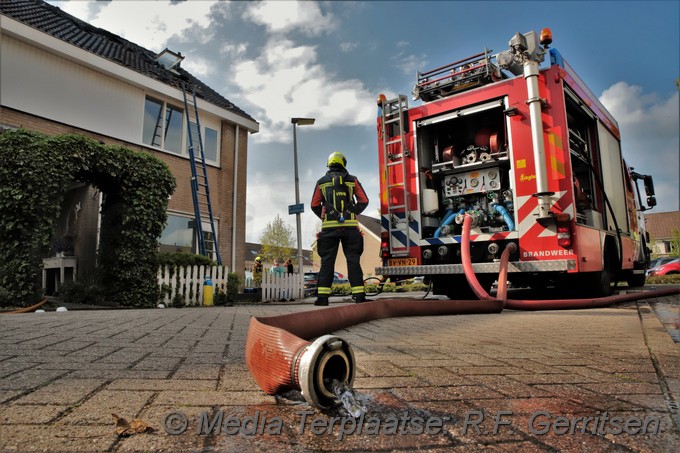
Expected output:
(517, 141)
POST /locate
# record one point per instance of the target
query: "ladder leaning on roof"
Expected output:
(200, 189)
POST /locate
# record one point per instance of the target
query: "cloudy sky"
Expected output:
(329, 60)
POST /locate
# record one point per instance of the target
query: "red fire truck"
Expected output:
(530, 153)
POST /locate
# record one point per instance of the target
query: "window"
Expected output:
(178, 235)
(210, 144)
(162, 125)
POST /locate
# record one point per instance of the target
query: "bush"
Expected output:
(35, 172)
(233, 282)
(5, 298)
(88, 290)
(177, 301)
(220, 297)
(341, 290)
(673, 279)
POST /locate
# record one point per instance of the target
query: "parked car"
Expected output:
(656, 263)
(671, 267)
(311, 281)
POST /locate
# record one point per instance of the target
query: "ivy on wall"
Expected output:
(35, 172)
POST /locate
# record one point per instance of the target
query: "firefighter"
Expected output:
(257, 272)
(338, 198)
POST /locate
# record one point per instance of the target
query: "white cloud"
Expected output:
(650, 131)
(408, 63)
(148, 24)
(286, 81)
(198, 66)
(285, 16)
(264, 204)
(348, 46)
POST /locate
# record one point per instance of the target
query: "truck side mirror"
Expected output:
(649, 188)
(651, 201)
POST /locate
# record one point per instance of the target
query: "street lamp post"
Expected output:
(296, 122)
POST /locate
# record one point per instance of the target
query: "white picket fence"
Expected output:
(188, 282)
(286, 286)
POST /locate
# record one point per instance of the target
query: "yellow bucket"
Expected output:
(208, 294)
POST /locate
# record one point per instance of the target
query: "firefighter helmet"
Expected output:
(258, 259)
(337, 158)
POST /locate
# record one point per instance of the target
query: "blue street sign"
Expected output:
(296, 208)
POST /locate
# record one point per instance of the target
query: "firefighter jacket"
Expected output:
(338, 199)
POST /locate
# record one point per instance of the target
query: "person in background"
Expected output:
(288, 265)
(338, 199)
(257, 272)
(276, 268)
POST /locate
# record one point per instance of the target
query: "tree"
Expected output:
(276, 240)
(675, 243)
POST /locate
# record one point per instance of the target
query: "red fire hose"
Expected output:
(556, 304)
(280, 359)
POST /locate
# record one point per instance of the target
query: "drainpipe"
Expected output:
(234, 203)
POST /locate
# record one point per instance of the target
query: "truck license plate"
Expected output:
(402, 262)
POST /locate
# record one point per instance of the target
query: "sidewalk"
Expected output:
(62, 375)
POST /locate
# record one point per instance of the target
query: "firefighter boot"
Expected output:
(362, 298)
(321, 301)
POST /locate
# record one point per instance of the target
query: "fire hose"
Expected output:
(280, 357)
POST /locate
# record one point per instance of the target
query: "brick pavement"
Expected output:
(63, 374)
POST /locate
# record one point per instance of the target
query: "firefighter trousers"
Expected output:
(352, 246)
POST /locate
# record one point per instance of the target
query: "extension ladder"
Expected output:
(200, 189)
(395, 150)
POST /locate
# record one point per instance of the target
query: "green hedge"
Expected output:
(673, 279)
(35, 172)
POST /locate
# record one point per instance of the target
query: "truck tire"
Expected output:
(635, 279)
(600, 283)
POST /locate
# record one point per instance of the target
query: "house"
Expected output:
(60, 75)
(661, 226)
(370, 259)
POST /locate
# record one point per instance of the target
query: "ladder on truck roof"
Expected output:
(200, 189)
(395, 150)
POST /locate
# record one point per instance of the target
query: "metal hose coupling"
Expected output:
(327, 359)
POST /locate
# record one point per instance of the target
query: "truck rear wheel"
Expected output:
(636, 279)
(599, 284)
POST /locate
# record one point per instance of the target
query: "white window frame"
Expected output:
(164, 107)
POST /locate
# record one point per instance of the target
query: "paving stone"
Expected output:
(65, 391)
(217, 398)
(160, 384)
(14, 414)
(29, 379)
(197, 371)
(6, 395)
(388, 382)
(98, 409)
(157, 362)
(27, 438)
